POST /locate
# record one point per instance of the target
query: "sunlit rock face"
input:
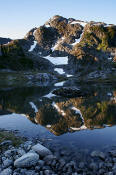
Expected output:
(77, 114)
(87, 45)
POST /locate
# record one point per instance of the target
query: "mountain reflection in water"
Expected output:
(62, 115)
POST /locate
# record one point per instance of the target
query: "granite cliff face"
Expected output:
(86, 45)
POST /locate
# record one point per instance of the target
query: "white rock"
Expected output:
(27, 160)
(41, 150)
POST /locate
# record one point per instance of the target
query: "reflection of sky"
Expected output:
(83, 139)
(23, 125)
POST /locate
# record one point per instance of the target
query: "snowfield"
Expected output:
(57, 60)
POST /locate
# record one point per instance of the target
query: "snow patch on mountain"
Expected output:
(77, 40)
(57, 60)
(59, 70)
(57, 44)
(33, 46)
(79, 22)
(47, 25)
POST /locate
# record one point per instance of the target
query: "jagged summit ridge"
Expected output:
(81, 42)
(62, 34)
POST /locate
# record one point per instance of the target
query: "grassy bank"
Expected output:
(7, 135)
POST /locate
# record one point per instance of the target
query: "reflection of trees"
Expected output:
(97, 109)
(99, 114)
(17, 100)
(95, 112)
(47, 115)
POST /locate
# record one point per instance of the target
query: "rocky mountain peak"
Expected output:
(78, 40)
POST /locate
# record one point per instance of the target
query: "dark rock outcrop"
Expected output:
(4, 40)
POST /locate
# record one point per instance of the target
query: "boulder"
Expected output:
(27, 160)
(49, 158)
(98, 154)
(41, 150)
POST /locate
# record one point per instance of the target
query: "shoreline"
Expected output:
(20, 159)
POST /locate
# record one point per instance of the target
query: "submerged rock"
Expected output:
(93, 166)
(98, 154)
(41, 150)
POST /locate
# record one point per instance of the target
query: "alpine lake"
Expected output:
(74, 125)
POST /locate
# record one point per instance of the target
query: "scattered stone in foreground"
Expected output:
(27, 160)
(7, 171)
(98, 154)
(41, 150)
(7, 163)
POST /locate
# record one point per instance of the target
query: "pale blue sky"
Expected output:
(19, 16)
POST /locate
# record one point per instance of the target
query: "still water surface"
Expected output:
(87, 122)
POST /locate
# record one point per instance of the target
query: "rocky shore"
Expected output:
(33, 158)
